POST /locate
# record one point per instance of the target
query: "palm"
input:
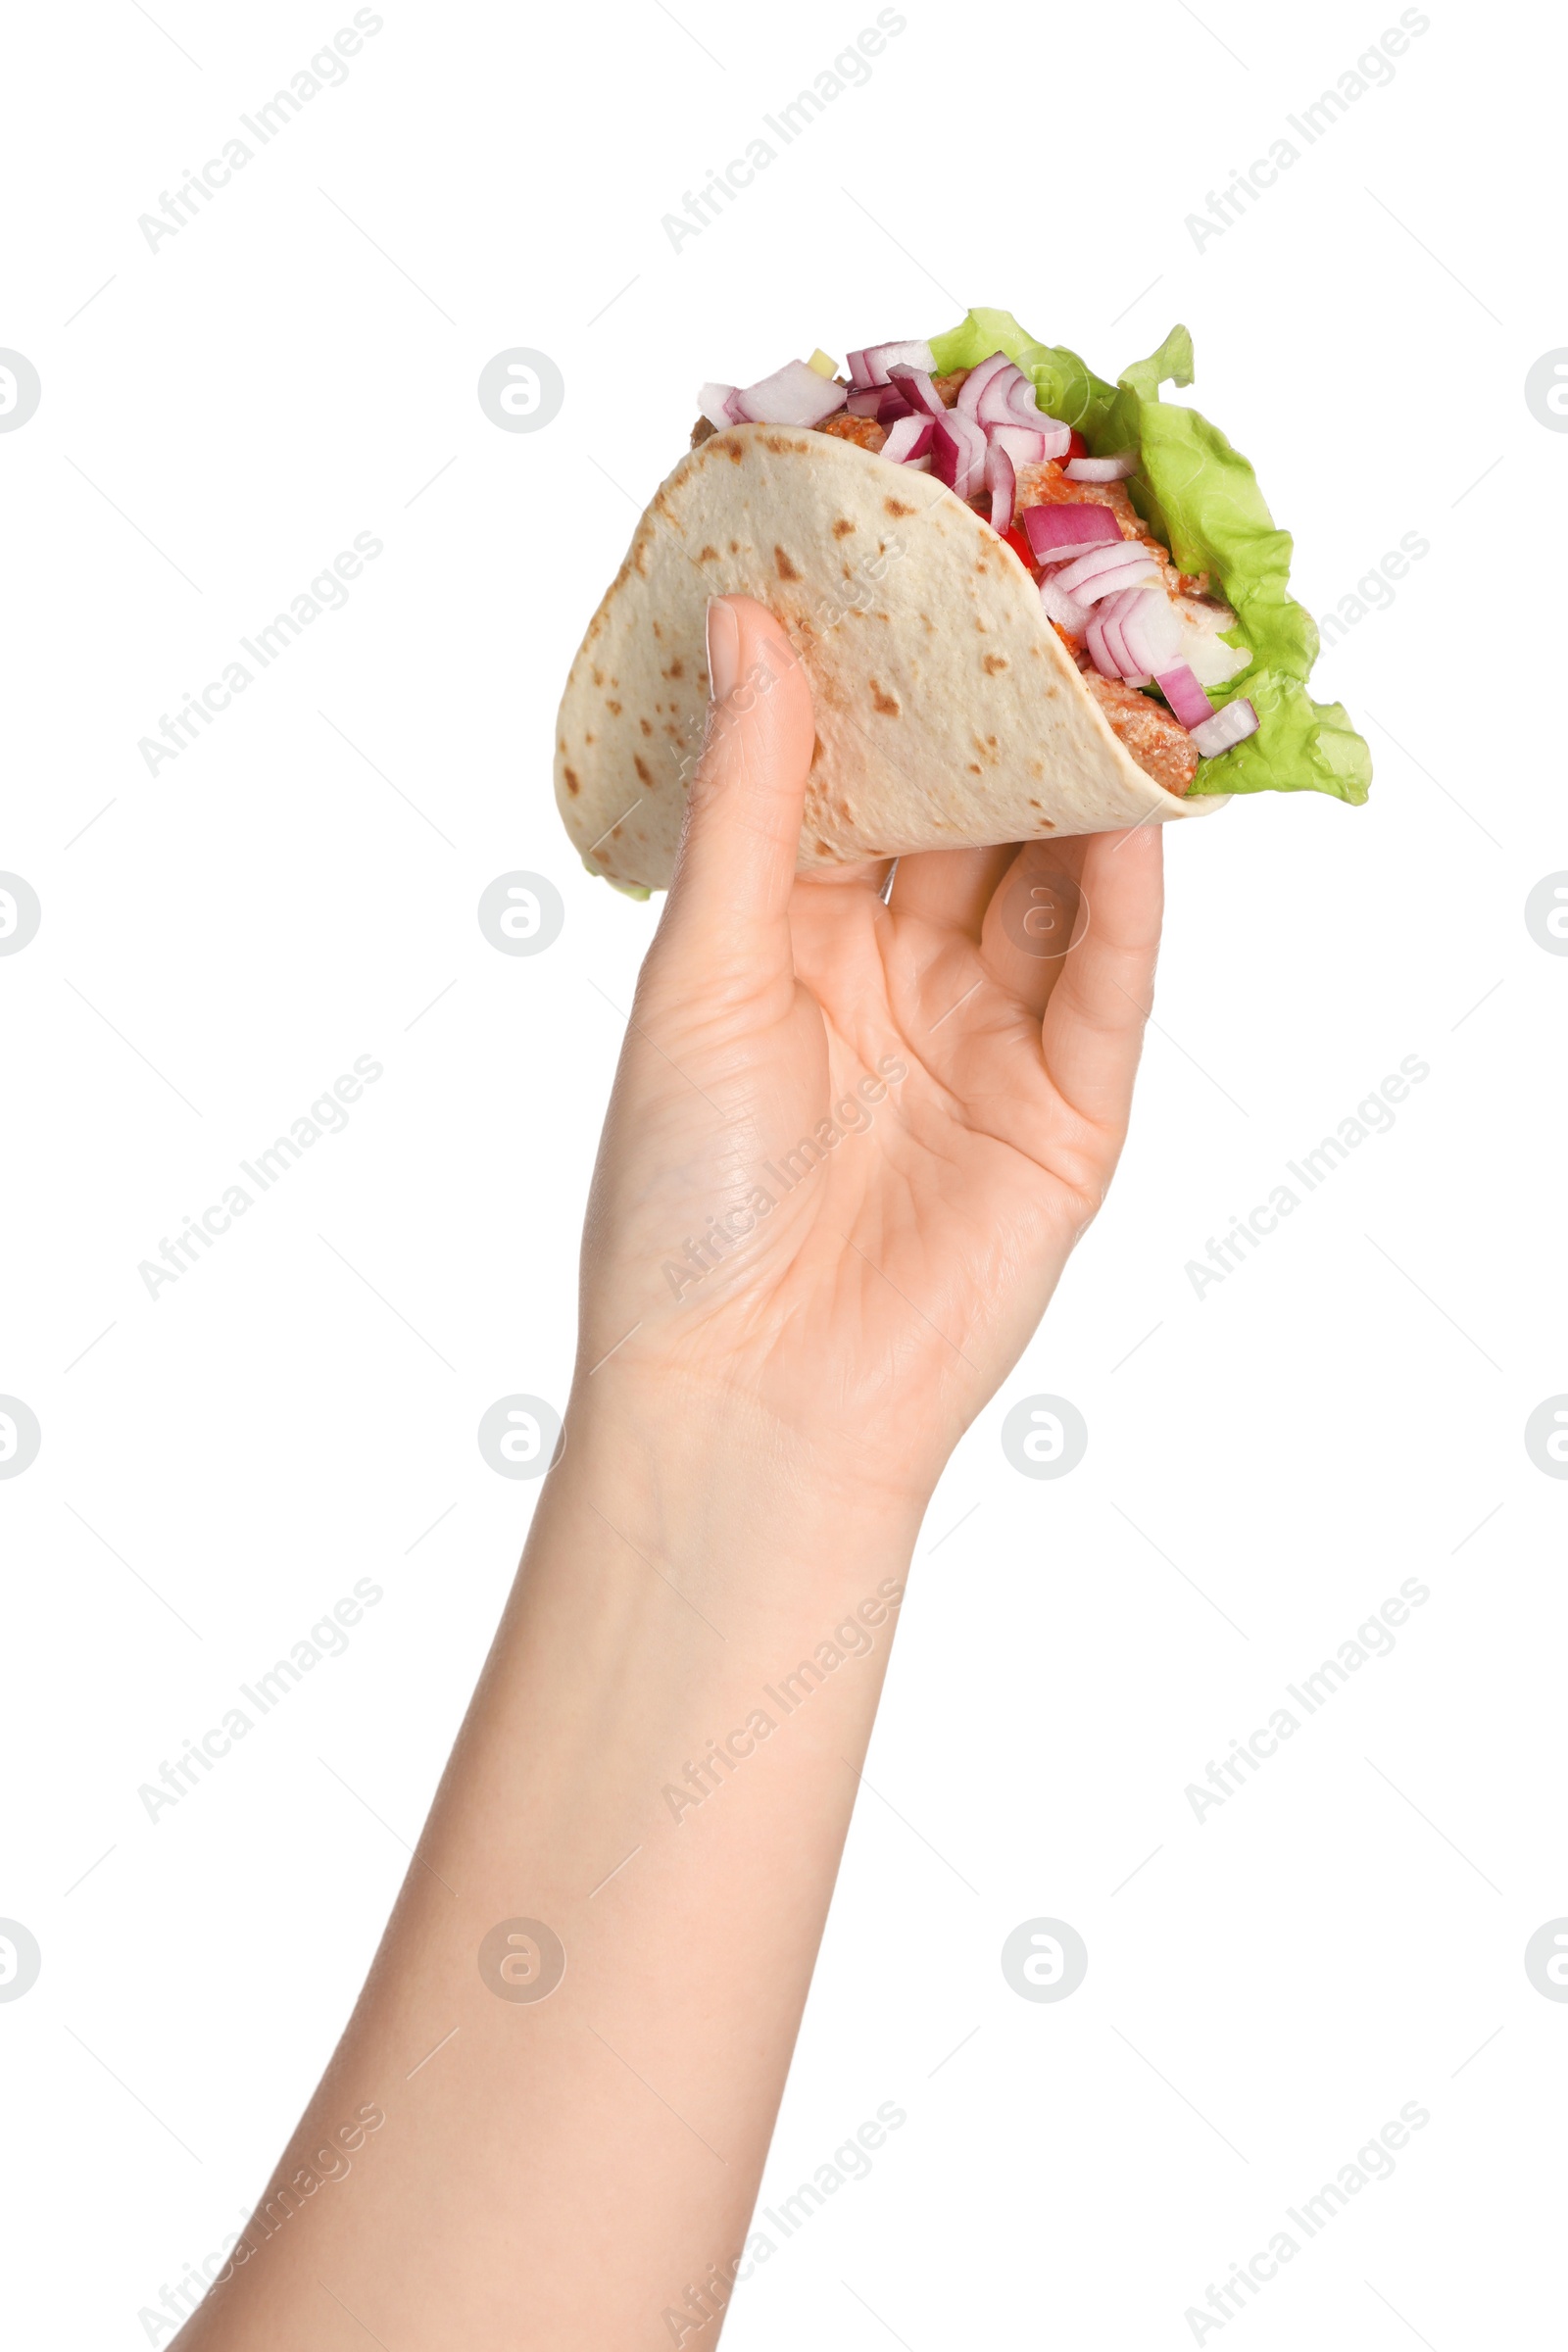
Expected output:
(911, 1237)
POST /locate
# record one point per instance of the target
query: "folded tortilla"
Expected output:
(949, 713)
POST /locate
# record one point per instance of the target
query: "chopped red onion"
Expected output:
(908, 440)
(1064, 608)
(918, 390)
(1101, 469)
(794, 395)
(1227, 727)
(1002, 484)
(1068, 525)
(1151, 632)
(716, 402)
(1107, 639)
(893, 405)
(958, 453)
(866, 400)
(993, 404)
(975, 382)
(1107, 572)
(1024, 444)
(1185, 696)
(871, 365)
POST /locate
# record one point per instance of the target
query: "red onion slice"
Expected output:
(892, 404)
(1227, 727)
(1065, 610)
(1101, 469)
(1002, 484)
(1151, 632)
(958, 453)
(918, 390)
(1068, 524)
(871, 365)
(995, 403)
(794, 395)
(1109, 645)
(1185, 696)
(865, 400)
(908, 439)
(975, 382)
(1022, 443)
(1108, 571)
(714, 402)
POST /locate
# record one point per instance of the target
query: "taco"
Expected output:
(1030, 603)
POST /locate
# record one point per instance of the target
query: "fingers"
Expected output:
(735, 867)
(1037, 915)
(949, 888)
(1094, 1021)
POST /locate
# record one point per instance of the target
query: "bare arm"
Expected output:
(608, 1935)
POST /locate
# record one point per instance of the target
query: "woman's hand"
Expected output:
(852, 1143)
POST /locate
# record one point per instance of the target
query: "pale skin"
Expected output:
(749, 1452)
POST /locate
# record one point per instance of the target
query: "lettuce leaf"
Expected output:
(1201, 497)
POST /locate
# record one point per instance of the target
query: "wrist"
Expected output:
(709, 1473)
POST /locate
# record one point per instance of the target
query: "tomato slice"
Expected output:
(1078, 448)
(1018, 541)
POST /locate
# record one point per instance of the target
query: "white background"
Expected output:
(298, 365)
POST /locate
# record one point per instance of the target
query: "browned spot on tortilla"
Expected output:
(646, 726)
(676, 669)
(824, 849)
(613, 708)
(993, 662)
(639, 556)
(590, 738)
(733, 450)
(974, 768)
(816, 749)
(887, 704)
(783, 567)
(1036, 767)
(780, 446)
(572, 780)
(599, 677)
(640, 765)
(896, 506)
(710, 555)
(658, 631)
(843, 527)
(734, 547)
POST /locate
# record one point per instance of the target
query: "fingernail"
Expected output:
(724, 650)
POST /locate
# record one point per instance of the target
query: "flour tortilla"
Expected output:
(949, 713)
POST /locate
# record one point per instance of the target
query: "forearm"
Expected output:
(660, 1765)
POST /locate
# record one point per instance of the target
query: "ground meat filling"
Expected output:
(1159, 744)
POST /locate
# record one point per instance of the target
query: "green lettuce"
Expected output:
(1201, 497)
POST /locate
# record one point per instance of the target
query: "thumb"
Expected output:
(736, 862)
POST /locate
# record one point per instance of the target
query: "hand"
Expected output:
(852, 1144)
